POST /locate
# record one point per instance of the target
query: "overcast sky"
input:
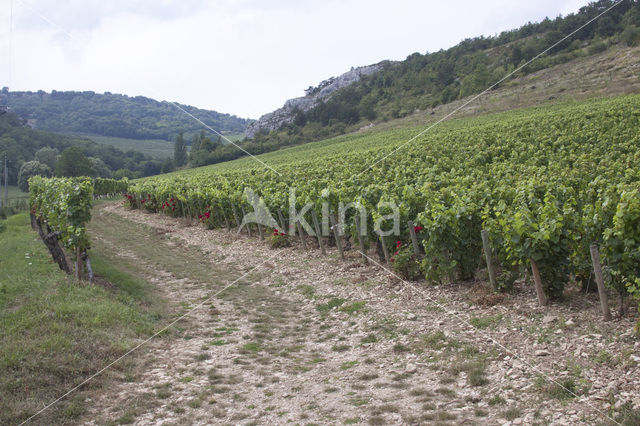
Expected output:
(243, 57)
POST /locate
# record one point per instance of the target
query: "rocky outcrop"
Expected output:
(314, 95)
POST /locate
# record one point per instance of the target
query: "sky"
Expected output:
(242, 57)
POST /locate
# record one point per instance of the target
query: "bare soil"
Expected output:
(309, 339)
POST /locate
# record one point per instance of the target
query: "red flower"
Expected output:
(200, 217)
(417, 228)
(399, 243)
(207, 215)
(282, 234)
(275, 231)
(392, 260)
(395, 254)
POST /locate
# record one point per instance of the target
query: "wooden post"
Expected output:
(414, 238)
(301, 234)
(385, 250)
(248, 225)
(488, 254)
(235, 216)
(283, 225)
(318, 234)
(336, 235)
(226, 220)
(260, 230)
(360, 240)
(602, 291)
(542, 299)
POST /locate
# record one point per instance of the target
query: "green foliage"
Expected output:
(65, 205)
(20, 144)
(115, 115)
(48, 156)
(406, 264)
(545, 183)
(29, 169)
(74, 163)
(424, 81)
(279, 239)
(3, 226)
(180, 151)
(110, 186)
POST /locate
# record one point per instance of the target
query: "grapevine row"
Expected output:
(545, 184)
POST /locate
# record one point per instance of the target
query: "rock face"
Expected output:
(274, 120)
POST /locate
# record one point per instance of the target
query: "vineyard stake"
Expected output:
(385, 249)
(414, 238)
(602, 292)
(317, 227)
(488, 254)
(235, 215)
(336, 234)
(226, 220)
(361, 240)
(304, 243)
(283, 225)
(542, 299)
(260, 230)
(248, 224)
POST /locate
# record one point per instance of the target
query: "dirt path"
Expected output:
(309, 340)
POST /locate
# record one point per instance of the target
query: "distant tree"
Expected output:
(150, 168)
(73, 162)
(123, 173)
(180, 151)
(48, 156)
(100, 167)
(167, 166)
(31, 168)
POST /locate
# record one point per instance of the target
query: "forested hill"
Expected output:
(423, 81)
(116, 115)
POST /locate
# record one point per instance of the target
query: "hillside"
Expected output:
(423, 82)
(20, 144)
(114, 115)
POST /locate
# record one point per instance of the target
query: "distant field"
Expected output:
(156, 148)
(14, 192)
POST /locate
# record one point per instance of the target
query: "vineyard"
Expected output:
(545, 184)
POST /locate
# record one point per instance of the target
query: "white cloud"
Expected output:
(243, 57)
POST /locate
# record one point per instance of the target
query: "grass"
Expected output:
(335, 302)
(156, 148)
(55, 332)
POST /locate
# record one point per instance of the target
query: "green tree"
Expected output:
(29, 169)
(167, 166)
(123, 173)
(100, 167)
(180, 151)
(73, 162)
(47, 155)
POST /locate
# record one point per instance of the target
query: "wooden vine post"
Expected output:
(361, 240)
(301, 234)
(385, 249)
(316, 225)
(248, 225)
(602, 291)
(283, 224)
(542, 299)
(414, 238)
(488, 254)
(336, 235)
(235, 216)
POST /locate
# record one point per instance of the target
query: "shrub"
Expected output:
(405, 263)
(279, 239)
